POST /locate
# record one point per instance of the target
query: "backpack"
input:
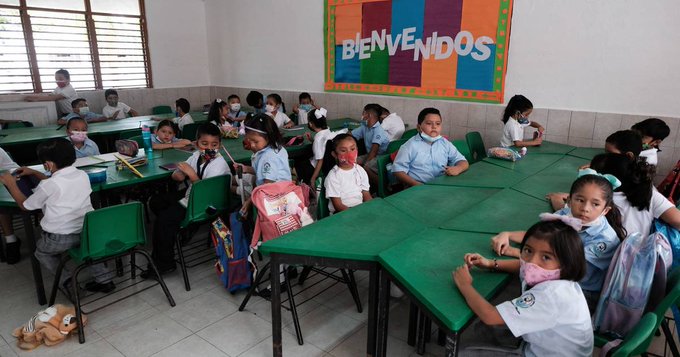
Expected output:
(231, 248)
(282, 207)
(669, 186)
(635, 283)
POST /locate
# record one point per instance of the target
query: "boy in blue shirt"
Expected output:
(427, 155)
(81, 110)
(375, 140)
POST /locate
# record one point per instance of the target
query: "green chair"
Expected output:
(189, 131)
(462, 147)
(322, 202)
(17, 124)
(395, 145)
(161, 109)
(100, 242)
(409, 134)
(138, 139)
(208, 199)
(130, 133)
(476, 145)
(638, 339)
(383, 182)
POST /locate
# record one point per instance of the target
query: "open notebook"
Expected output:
(102, 158)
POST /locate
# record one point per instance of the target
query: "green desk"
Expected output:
(586, 153)
(529, 164)
(434, 205)
(556, 178)
(548, 147)
(422, 267)
(482, 174)
(566, 166)
(507, 210)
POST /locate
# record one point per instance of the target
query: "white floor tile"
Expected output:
(263, 309)
(7, 351)
(237, 333)
(290, 348)
(120, 311)
(355, 345)
(100, 348)
(148, 336)
(201, 311)
(191, 346)
(326, 328)
(69, 346)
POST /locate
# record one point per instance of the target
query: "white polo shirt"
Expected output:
(512, 131)
(216, 167)
(348, 185)
(394, 126)
(635, 220)
(319, 144)
(184, 120)
(64, 199)
(122, 109)
(69, 93)
(6, 162)
(651, 155)
(281, 119)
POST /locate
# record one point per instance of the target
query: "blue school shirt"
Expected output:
(270, 164)
(89, 148)
(235, 115)
(373, 135)
(422, 161)
(599, 244)
(88, 117)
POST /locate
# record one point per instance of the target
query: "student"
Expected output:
(165, 136)
(256, 100)
(76, 129)
(427, 155)
(81, 110)
(392, 123)
(217, 115)
(12, 244)
(274, 109)
(63, 95)
(516, 118)
(591, 205)
(270, 158)
(206, 162)
(183, 117)
(637, 199)
(235, 114)
(653, 132)
(309, 170)
(306, 105)
(375, 140)
(551, 314)
(347, 183)
(628, 142)
(64, 199)
(115, 109)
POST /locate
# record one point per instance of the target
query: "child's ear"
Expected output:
(334, 154)
(606, 210)
(418, 127)
(655, 143)
(630, 155)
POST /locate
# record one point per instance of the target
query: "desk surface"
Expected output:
(558, 177)
(424, 262)
(548, 147)
(482, 174)
(529, 164)
(586, 153)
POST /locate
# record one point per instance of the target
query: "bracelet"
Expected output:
(495, 264)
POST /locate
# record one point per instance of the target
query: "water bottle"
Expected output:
(146, 137)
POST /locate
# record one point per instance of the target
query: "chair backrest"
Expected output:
(17, 124)
(189, 131)
(130, 134)
(638, 339)
(138, 139)
(383, 181)
(322, 202)
(100, 239)
(409, 134)
(463, 148)
(395, 145)
(161, 109)
(476, 145)
(212, 192)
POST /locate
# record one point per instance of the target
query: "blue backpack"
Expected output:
(232, 250)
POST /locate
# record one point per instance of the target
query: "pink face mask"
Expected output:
(532, 274)
(349, 158)
(61, 84)
(78, 136)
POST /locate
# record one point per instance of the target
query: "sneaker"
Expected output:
(292, 272)
(395, 292)
(13, 253)
(267, 292)
(150, 274)
(96, 287)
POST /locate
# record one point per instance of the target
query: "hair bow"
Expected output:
(218, 100)
(615, 182)
(320, 113)
(573, 222)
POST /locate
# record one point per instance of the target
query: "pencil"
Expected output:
(230, 158)
(132, 168)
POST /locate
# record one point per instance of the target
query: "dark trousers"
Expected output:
(304, 170)
(169, 214)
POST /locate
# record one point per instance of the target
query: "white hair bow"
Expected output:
(574, 222)
(320, 113)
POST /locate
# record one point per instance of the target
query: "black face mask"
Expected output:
(209, 153)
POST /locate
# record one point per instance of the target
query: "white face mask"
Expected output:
(235, 107)
(270, 108)
(84, 110)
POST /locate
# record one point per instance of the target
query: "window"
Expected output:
(102, 43)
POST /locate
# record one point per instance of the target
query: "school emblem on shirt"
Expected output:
(267, 168)
(525, 301)
(601, 247)
(377, 137)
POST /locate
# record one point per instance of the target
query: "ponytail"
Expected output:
(636, 176)
(616, 222)
(518, 103)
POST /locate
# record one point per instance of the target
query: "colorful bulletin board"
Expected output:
(441, 49)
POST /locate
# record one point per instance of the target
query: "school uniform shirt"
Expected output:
(184, 120)
(64, 199)
(87, 117)
(6, 162)
(89, 148)
(599, 244)
(216, 167)
(302, 116)
(552, 318)
(280, 119)
(512, 131)
(234, 115)
(424, 162)
(394, 126)
(156, 140)
(373, 135)
(69, 93)
(651, 155)
(319, 144)
(122, 108)
(348, 185)
(635, 220)
(272, 165)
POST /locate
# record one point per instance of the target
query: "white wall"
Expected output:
(178, 43)
(615, 56)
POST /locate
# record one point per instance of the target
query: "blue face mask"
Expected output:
(430, 139)
(176, 114)
(523, 120)
(306, 107)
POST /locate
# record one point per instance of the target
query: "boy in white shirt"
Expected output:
(64, 199)
(63, 95)
(12, 254)
(306, 105)
(115, 109)
(183, 117)
(653, 132)
(392, 123)
(347, 183)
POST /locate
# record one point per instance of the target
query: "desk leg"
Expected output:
(383, 314)
(35, 264)
(275, 280)
(373, 277)
(452, 341)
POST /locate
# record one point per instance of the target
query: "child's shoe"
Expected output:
(96, 287)
(13, 253)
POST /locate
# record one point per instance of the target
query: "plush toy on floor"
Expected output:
(50, 327)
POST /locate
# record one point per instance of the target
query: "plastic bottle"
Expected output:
(146, 137)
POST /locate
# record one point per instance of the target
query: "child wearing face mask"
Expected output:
(165, 137)
(309, 170)
(515, 119)
(235, 114)
(217, 115)
(306, 105)
(653, 132)
(276, 110)
(81, 110)
(115, 109)
(551, 314)
(427, 155)
(76, 129)
(182, 116)
(591, 206)
(347, 183)
(63, 95)
(375, 140)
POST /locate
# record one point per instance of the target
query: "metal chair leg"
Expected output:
(119, 267)
(182, 263)
(160, 278)
(669, 338)
(420, 339)
(441, 337)
(352, 284)
(133, 265)
(76, 294)
(253, 287)
(428, 329)
(293, 311)
(412, 324)
(304, 274)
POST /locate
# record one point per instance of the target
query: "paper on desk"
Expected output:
(295, 128)
(102, 158)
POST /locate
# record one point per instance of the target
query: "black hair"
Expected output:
(374, 109)
(655, 128)
(277, 98)
(233, 96)
(214, 112)
(318, 122)
(340, 137)
(58, 150)
(64, 73)
(518, 103)
(75, 102)
(614, 215)
(170, 123)
(427, 111)
(74, 119)
(304, 95)
(207, 129)
(264, 122)
(626, 141)
(565, 242)
(636, 176)
(384, 111)
(183, 104)
(253, 98)
(109, 92)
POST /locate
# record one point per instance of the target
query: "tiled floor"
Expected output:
(206, 322)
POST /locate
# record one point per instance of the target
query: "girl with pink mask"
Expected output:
(76, 129)
(552, 314)
(347, 183)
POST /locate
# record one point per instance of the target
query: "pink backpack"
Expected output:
(282, 207)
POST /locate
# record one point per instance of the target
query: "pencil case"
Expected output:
(503, 153)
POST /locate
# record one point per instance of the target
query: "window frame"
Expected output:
(92, 39)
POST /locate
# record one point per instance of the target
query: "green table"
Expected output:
(434, 205)
(586, 153)
(529, 164)
(565, 166)
(548, 147)
(556, 178)
(482, 174)
(422, 267)
(507, 210)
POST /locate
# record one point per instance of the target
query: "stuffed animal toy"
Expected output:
(50, 327)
